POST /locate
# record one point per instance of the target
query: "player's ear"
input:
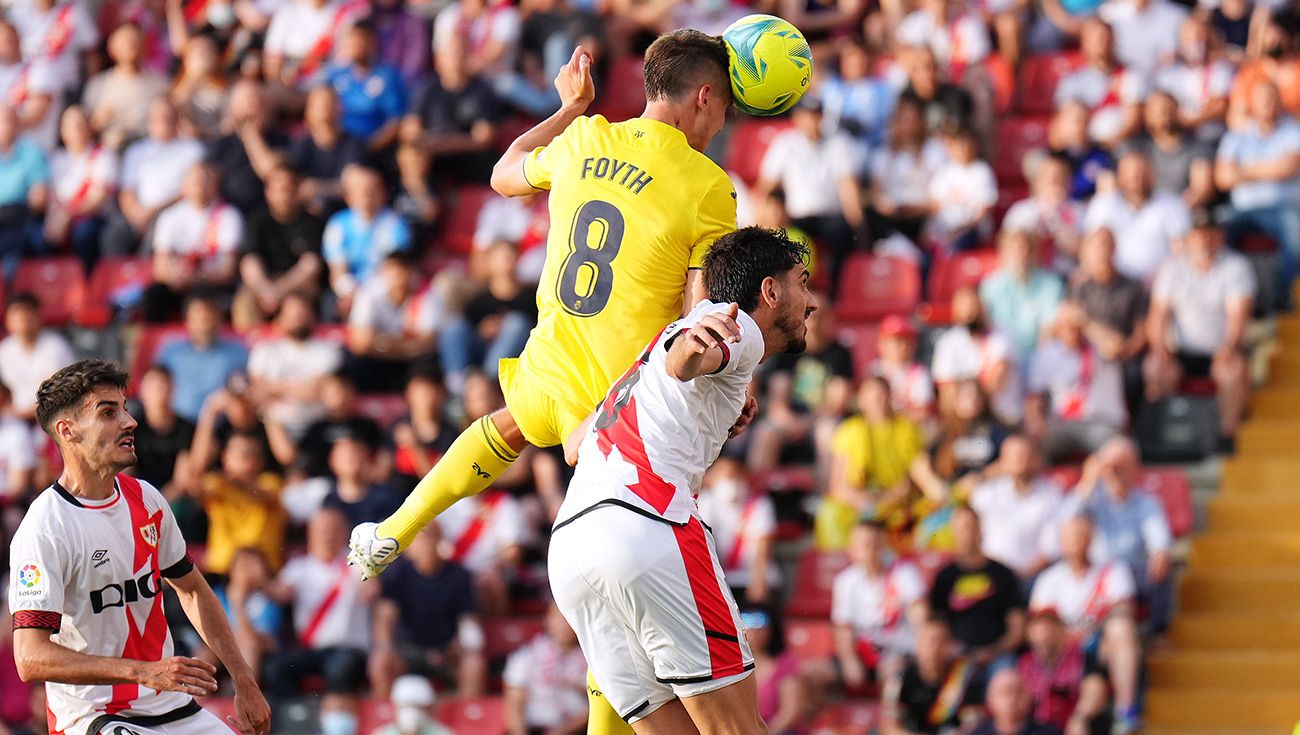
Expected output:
(65, 431)
(769, 292)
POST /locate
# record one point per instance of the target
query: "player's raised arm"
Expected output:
(577, 90)
(703, 348)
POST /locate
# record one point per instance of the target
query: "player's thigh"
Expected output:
(670, 719)
(731, 709)
(532, 410)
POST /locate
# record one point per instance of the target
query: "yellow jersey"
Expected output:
(632, 207)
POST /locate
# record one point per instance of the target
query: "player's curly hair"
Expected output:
(680, 62)
(67, 387)
(736, 265)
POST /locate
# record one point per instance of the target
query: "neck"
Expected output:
(130, 68)
(971, 559)
(1105, 276)
(29, 340)
(351, 489)
(324, 135)
(1136, 199)
(666, 113)
(503, 286)
(1266, 124)
(83, 481)
(426, 565)
(1020, 483)
(1079, 564)
(1006, 726)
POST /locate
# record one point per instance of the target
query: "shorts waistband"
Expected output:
(180, 713)
(613, 503)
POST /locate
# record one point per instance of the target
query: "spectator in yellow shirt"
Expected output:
(242, 501)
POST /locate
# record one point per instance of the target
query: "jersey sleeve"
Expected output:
(542, 162)
(742, 357)
(37, 579)
(717, 217)
(173, 556)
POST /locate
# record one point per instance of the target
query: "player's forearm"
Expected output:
(38, 658)
(541, 134)
(209, 619)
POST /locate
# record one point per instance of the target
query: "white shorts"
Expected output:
(188, 720)
(649, 605)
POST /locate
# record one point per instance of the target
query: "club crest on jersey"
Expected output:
(149, 532)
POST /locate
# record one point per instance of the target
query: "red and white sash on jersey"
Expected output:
(466, 27)
(910, 380)
(474, 530)
(141, 644)
(309, 633)
(59, 34)
(20, 88)
(957, 61)
(320, 51)
(211, 243)
(1112, 98)
(737, 552)
(1075, 400)
(78, 197)
(1097, 607)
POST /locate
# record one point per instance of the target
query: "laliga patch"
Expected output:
(30, 580)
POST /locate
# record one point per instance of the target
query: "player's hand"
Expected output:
(252, 713)
(747, 415)
(714, 329)
(574, 81)
(180, 674)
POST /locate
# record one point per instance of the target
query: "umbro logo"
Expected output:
(479, 471)
(99, 558)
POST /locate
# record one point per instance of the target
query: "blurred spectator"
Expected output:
(935, 692)
(194, 246)
(901, 172)
(24, 192)
(1019, 510)
(1199, 81)
(303, 36)
(856, 101)
(57, 34)
(958, 39)
(372, 95)
(818, 175)
(1275, 61)
(962, 194)
(1075, 397)
(255, 618)
(546, 682)
(339, 714)
(30, 353)
(162, 438)
(876, 607)
(455, 113)
(784, 691)
(359, 238)
(1146, 31)
(871, 455)
(549, 31)
(390, 325)
(286, 371)
(1200, 305)
(1050, 212)
(1060, 23)
(412, 701)
(804, 398)
(230, 411)
(331, 614)
(980, 598)
(403, 44)
(248, 148)
(1064, 693)
(118, 98)
(495, 323)
(338, 398)
(424, 435)
(280, 253)
(910, 388)
(322, 152)
(481, 36)
(972, 350)
(521, 221)
(946, 105)
(200, 91)
(822, 21)
(969, 438)
(1011, 708)
(205, 357)
(1096, 604)
(486, 533)
(1230, 22)
(416, 199)
(1020, 297)
(1183, 165)
(1115, 306)
(18, 460)
(1130, 523)
(153, 170)
(83, 177)
(1112, 92)
(743, 522)
(1259, 166)
(353, 492)
(242, 502)
(1146, 223)
(425, 621)
(1067, 136)
(30, 87)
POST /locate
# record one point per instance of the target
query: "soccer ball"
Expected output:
(771, 64)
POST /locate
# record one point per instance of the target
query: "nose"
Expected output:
(129, 423)
(812, 305)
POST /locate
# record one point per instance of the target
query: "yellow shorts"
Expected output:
(544, 418)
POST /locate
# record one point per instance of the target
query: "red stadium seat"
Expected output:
(462, 219)
(480, 715)
(623, 94)
(111, 277)
(1257, 242)
(1065, 476)
(1198, 385)
(1003, 78)
(810, 640)
(59, 283)
(863, 341)
(1039, 75)
(1174, 489)
(383, 408)
(1007, 196)
(847, 718)
(872, 287)
(749, 141)
(502, 636)
(148, 341)
(953, 273)
(813, 579)
(1017, 136)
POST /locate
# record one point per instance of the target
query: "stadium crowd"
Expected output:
(1036, 222)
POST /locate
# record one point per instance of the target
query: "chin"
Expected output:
(797, 345)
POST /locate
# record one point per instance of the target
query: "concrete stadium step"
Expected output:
(1243, 548)
(1209, 731)
(1248, 669)
(1236, 630)
(1262, 512)
(1273, 402)
(1224, 707)
(1241, 589)
(1255, 476)
(1270, 436)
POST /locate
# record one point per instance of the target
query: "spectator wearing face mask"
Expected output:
(338, 714)
(744, 524)
(412, 700)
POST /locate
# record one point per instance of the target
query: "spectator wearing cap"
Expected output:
(1020, 297)
(359, 238)
(935, 691)
(1259, 166)
(256, 619)
(1064, 693)
(30, 353)
(24, 191)
(242, 503)
(1146, 223)
(1019, 509)
(18, 460)
(390, 325)
(979, 597)
(1183, 165)
(426, 621)
(962, 194)
(412, 701)
(205, 357)
(910, 387)
(1112, 93)
(354, 494)
(972, 349)
(494, 324)
(546, 682)
(425, 433)
(1096, 603)
(280, 255)
(322, 151)
(743, 521)
(1200, 305)
(117, 99)
(487, 533)
(1011, 708)
(1050, 212)
(1130, 523)
(1076, 394)
(285, 371)
(373, 95)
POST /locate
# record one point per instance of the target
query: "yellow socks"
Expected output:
(474, 461)
(601, 717)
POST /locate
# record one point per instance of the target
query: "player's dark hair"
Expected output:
(67, 387)
(737, 264)
(680, 62)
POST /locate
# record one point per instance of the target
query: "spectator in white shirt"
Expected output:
(546, 682)
(1096, 604)
(194, 245)
(83, 177)
(17, 452)
(1147, 224)
(901, 172)
(29, 354)
(484, 35)
(152, 172)
(391, 324)
(486, 534)
(959, 39)
(1050, 212)
(1146, 31)
(303, 37)
(117, 99)
(60, 34)
(1200, 305)
(1200, 82)
(962, 195)
(972, 350)
(30, 87)
(1112, 93)
(1076, 395)
(744, 525)
(1018, 509)
(287, 370)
